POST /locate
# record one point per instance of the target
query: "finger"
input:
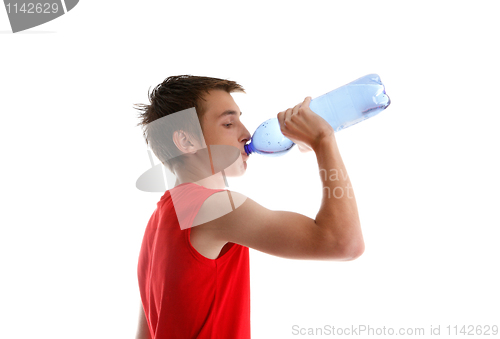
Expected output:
(288, 114)
(281, 118)
(296, 108)
(307, 101)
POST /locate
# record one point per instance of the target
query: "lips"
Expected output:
(244, 157)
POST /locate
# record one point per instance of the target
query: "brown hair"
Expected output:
(174, 94)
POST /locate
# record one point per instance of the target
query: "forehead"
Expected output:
(218, 101)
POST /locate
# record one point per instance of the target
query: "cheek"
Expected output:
(208, 134)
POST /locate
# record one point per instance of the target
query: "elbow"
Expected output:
(355, 251)
(349, 251)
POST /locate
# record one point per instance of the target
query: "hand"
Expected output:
(304, 127)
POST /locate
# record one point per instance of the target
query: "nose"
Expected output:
(246, 135)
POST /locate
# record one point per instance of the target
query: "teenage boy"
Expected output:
(193, 265)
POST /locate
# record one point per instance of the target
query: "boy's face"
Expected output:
(222, 125)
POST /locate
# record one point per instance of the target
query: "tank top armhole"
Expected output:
(198, 255)
(203, 259)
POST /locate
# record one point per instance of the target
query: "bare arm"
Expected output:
(142, 328)
(335, 234)
(338, 213)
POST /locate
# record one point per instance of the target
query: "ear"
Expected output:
(184, 142)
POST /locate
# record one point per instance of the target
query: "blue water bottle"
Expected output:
(343, 107)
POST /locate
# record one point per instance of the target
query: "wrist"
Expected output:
(325, 141)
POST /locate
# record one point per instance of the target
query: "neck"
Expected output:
(215, 181)
(198, 168)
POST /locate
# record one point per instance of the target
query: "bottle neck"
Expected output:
(248, 149)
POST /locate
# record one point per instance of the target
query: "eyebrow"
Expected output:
(228, 112)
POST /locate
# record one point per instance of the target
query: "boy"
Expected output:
(193, 265)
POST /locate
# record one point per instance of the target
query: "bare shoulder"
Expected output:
(218, 205)
(215, 206)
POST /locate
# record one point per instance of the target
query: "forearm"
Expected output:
(338, 212)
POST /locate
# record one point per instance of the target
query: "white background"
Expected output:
(424, 172)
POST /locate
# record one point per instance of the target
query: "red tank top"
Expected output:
(184, 294)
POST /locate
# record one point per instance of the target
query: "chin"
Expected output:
(237, 169)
